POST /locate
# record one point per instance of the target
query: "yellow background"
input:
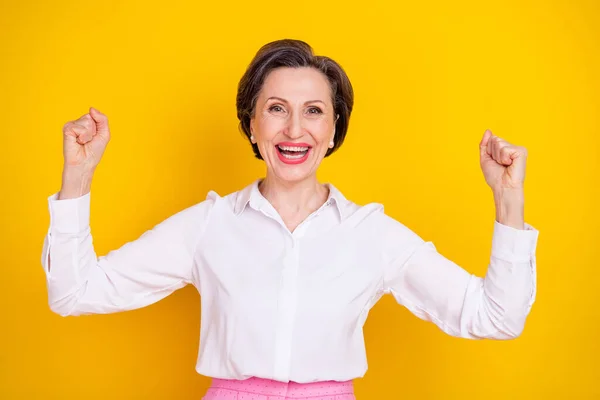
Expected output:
(429, 78)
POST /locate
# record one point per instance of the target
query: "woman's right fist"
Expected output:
(84, 141)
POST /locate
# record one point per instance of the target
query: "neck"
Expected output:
(286, 197)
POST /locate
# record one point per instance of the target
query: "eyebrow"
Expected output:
(285, 101)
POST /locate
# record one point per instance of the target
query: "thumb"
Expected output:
(484, 142)
(101, 121)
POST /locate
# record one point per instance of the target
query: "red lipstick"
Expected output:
(293, 153)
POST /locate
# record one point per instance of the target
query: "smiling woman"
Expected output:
(287, 267)
(316, 76)
(285, 113)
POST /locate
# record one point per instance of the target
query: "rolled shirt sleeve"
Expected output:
(436, 289)
(137, 274)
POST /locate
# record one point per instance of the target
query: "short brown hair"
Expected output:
(294, 54)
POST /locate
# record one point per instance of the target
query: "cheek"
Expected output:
(268, 127)
(321, 130)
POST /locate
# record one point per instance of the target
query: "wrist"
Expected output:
(510, 207)
(75, 183)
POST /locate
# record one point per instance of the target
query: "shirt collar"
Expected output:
(247, 194)
(251, 195)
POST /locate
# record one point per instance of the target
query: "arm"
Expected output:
(463, 305)
(436, 289)
(137, 274)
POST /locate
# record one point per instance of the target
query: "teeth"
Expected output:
(293, 157)
(293, 148)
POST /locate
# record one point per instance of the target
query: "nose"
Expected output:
(294, 127)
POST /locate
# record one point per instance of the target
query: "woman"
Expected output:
(288, 268)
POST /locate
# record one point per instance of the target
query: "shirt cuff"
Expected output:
(513, 244)
(69, 215)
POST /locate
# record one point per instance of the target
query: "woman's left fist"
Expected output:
(502, 163)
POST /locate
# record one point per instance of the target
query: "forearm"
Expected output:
(510, 207)
(75, 183)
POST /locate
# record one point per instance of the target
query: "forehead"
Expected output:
(297, 83)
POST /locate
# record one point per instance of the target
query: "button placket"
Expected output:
(287, 301)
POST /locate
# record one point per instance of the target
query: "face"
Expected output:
(293, 122)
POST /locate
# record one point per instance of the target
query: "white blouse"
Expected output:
(287, 305)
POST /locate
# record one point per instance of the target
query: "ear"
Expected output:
(331, 142)
(337, 116)
(252, 139)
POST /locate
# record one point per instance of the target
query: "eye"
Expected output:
(276, 108)
(315, 110)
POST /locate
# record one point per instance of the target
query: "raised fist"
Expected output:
(84, 141)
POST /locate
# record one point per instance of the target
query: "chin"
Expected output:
(293, 174)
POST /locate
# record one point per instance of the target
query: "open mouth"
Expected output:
(293, 153)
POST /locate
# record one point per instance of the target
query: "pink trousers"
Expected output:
(267, 389)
